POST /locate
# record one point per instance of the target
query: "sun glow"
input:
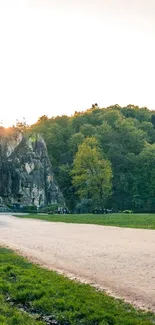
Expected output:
(57, 58)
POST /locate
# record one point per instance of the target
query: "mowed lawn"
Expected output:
(143, 221)
(49, 298)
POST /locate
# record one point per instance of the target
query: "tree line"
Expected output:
(103, 157)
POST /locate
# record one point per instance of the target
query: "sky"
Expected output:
(58, 57)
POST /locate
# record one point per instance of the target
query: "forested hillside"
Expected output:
(121, 137)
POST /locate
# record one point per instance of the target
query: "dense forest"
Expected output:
(103, 156)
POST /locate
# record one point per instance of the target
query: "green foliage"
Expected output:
(87, 130)
(123, 135)
(75, 141)
(49, 208)
(84, 206)
(65, 183)
(145, 175)
(65, 301)
(30, 208)
(91, 173)
(112, 117)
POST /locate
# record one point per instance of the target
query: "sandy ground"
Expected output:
(119, 260)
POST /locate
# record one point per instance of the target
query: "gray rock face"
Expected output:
(26, 174)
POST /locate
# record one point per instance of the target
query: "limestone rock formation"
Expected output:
(26, 175)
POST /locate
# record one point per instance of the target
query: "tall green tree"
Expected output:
(92, 174)
(145, 177)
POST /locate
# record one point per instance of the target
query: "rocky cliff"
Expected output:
(26, 175)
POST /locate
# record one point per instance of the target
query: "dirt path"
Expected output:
(122, 261)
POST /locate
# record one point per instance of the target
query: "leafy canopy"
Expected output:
(92, 174)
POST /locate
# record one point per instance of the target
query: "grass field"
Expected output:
(55, 299)
(144, 221)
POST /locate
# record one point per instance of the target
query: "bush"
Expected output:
(29, 208)
(49, 208)
(23, 208)
(85, 206)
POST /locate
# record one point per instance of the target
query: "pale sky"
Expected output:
(59, 56)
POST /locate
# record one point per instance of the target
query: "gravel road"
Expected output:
(119, 260)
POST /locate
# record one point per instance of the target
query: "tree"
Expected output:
(65, 182)
(92, 175)
(21, 125)
(42, 119)
(75, 141)
(87, 130)
(145, 177)
(131, 138)
(112, 117)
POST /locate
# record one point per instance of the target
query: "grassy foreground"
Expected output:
(144, 221)
(57, 298)
(12, 316)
